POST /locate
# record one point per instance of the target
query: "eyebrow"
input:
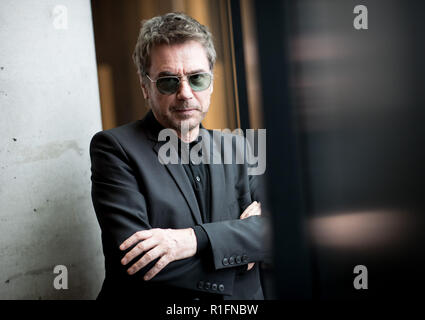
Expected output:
(168, 73)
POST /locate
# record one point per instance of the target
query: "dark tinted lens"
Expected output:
(200, 81)
(167, 85)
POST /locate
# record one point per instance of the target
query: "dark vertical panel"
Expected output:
(292, 257)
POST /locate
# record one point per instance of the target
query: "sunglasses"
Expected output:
(171, 84)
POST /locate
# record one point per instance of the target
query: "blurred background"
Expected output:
(343, 109)
(345, 149)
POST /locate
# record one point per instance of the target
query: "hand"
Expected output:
(166, 244)
(254, 209)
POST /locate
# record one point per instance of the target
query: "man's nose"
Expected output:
(185, 91)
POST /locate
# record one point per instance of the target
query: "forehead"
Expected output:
(179, 58)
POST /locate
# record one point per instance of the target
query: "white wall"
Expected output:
(49, 111)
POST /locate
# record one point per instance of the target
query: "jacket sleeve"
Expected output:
(121, 210)
(238, 242)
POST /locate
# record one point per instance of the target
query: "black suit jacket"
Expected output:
(133, 191)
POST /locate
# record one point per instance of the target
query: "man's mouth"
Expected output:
(185, 110)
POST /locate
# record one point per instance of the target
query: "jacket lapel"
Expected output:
(183, 183)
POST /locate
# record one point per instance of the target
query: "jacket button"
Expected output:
(232, 260)
(214, 286)
(207, 285)
(221, 287)
(238, 259)
(245, 258)
(225, 261)
(200, 284)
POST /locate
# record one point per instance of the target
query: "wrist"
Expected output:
(192, 242)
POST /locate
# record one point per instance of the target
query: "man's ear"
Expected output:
(144, 89)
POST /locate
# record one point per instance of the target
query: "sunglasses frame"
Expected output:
(187, 76)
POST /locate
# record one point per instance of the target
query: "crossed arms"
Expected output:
(167, 245)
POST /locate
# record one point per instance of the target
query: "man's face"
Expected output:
(185, 105)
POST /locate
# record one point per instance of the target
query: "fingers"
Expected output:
(254, 209)
(166, 245)
(247, 211)
(138, 249)
(137, 237)
(161, 264)
(145, 260)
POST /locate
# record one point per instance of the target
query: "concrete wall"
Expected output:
(49, 111)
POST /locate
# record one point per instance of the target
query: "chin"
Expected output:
(191, 123)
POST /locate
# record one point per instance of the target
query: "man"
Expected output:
(177, 231)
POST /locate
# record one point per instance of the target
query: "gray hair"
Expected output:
(170, 28)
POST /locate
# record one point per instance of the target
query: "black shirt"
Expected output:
(199, 176)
